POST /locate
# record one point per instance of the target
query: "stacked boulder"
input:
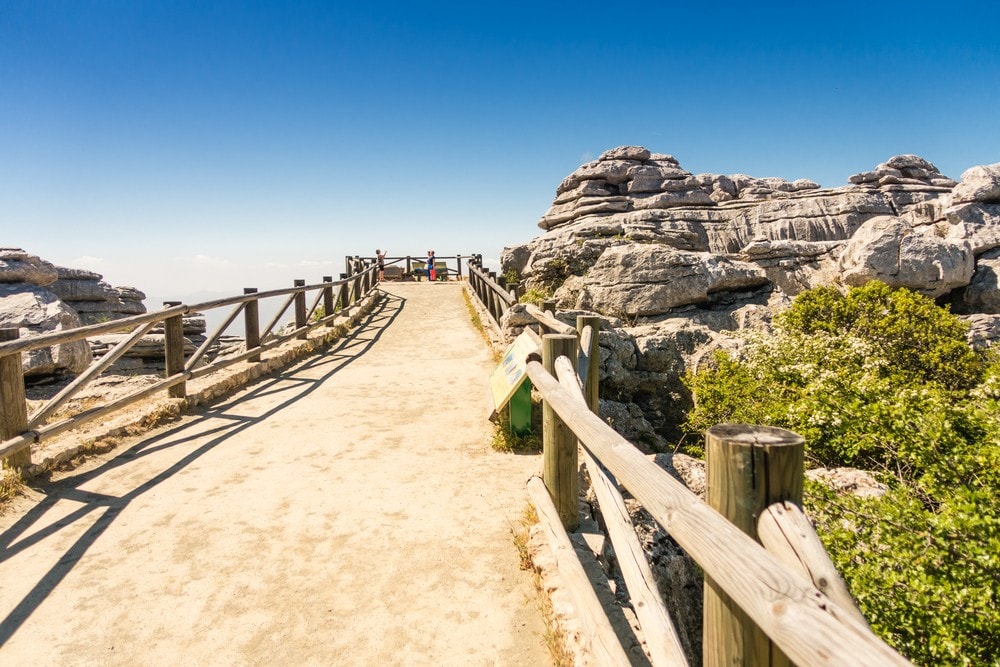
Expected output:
(27, 305)
(683, 263)
(95, 300)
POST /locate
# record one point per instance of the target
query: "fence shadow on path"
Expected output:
(20, 537)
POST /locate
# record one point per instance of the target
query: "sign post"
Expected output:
(509, 384)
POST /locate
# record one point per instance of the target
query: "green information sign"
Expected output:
(509, 384)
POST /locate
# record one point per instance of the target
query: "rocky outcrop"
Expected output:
(681, 264)
(34, 310)
(38, 297)
(95, 300)
(18, 266)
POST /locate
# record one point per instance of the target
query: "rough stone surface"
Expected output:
(979, 184)
(34, 310)
(890, 249)
(692, 263)
(95, 300)
(18, 266)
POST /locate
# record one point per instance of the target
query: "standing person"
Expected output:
(380, 261)
(431, 271)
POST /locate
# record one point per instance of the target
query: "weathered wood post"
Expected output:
(347, 266)
(343, 296)
(747, 468)
(560, 467)
(13, 408)
(328, 308)
(592, 386)
(492, 298)
(300, 308)
(356, 290)
(173, 343)
(409, 266)
(251, 323)
(501, 304)
(458, 258)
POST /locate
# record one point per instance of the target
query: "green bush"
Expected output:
(884, 380)
(535, 296)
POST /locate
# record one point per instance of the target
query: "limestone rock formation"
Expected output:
(95, 300)
(18, 266)
(39, 297)
(695, 262)
(34, 310)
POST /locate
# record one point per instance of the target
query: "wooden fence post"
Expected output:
(560, 465)
(458, 259)
(343, 296)
(592, 387)
(328, 307)
(300, 308)
(251, 323)
(356, 287)
(173, 334)
(13, 408)
(747, 468)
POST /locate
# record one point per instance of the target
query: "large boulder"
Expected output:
(95, 300)
(34, 310)
(18, 266)
(979, 184)
(644, 280)
(892, 251)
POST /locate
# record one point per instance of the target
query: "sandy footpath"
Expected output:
(348, 511)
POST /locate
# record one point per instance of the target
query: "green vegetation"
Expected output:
(11, 484)
(884, 380)
(505, 441)
(535, 296)
(553, 274)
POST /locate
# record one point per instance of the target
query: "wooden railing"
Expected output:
(411, 264)
(772, 595)
(19, 430)
(490, 289)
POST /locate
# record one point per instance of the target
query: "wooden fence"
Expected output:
(491, 290)
(412, 266)
(772, 595)
(19, 430)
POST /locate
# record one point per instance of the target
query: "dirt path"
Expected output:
(349, 512)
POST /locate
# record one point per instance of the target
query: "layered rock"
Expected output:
(26, 304)
(694, 262)
(34, 310)
(95, 300)
(38, 297)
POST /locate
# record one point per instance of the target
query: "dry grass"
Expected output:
(555, 638)
(11, 484)
(477, 322)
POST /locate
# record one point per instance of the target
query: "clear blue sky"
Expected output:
(186, 145)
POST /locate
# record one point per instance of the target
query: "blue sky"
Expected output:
(207, 146)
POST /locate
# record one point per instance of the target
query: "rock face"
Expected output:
(38, 297)
(681, 264)
(95, 300)
(34, 310)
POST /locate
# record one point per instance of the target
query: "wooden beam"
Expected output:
(604, 643)
(805, 624)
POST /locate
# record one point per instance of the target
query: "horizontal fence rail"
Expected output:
(782, 589)
(18, 430)
(412, 266)
(491, 290)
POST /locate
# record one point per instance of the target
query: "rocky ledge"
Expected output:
(38, 297)
(681, 264)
